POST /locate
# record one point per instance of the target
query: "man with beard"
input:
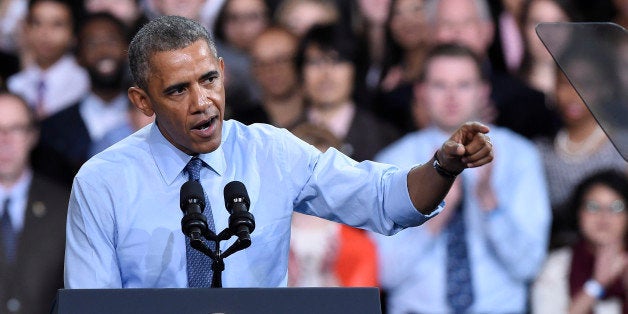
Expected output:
(68, 135)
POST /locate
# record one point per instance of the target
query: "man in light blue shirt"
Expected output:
(505, 206)
(124, 219)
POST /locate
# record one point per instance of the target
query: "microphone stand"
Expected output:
(218, 264)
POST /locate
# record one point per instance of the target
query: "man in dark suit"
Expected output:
(32, 217)
(69, 134)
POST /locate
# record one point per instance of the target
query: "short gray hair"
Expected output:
(165, 33)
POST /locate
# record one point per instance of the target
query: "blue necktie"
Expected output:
(198, 264)
(8, 233)
(459, 279)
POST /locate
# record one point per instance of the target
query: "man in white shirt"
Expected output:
(54, 80)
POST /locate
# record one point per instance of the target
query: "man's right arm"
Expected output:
(90, 258)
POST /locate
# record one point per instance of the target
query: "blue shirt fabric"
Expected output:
(124, 217)
(507, 246)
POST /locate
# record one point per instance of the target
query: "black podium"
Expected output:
(225, 300)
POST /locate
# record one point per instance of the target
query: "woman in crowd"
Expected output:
(538, 69)
(580, 147)
(238, 24)
(590, 276)
(407, 42)
(324, 253)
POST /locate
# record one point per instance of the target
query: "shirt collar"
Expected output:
(96, 104)
(171, 161)
(59, 67)
(19, 189)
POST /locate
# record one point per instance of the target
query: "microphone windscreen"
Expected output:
(192, 191)
(234, 190)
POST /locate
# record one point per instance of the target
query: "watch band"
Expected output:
(442, 171)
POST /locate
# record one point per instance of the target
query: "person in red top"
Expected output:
(324, 253)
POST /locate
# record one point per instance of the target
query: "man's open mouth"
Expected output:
(205, 124)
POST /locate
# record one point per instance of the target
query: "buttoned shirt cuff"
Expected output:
(399, 204)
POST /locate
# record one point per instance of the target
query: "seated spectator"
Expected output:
(506, 51)
(273, 59)
(32, 217)
(241, 21)
(54, 81)
(238, 24)
(480, 253)
(324, 253)
(368, 19)
(69, 134)
(326, 63)
(590, 275)
(580, 147)
(408, 40)
(515, 105)
(538, 68)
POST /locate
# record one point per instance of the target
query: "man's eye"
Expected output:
(210, 79)
(177, 91)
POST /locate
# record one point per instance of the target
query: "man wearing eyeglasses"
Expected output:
(32, 217)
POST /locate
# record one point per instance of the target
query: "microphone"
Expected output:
(192, 201)
(241, 221)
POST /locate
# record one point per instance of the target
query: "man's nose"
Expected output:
(201, 98)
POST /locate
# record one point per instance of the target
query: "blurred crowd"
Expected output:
(543, 228)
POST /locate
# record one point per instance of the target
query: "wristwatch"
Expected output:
(593, 288)
(442, 171)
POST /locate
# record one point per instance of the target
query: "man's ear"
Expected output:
(140, 99)
(223, 75)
